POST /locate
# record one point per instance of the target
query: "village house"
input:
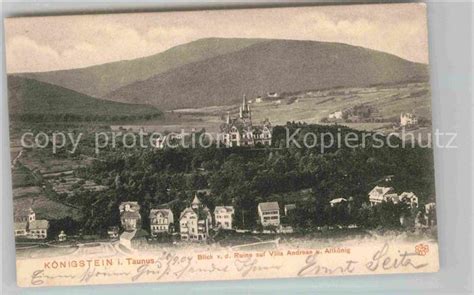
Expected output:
(273, 94)
(385, 194)
(409, 198)
(337, 201)
(113, 232)
(38, 229)
(269, 213)
(381, 194)
(335, 115)
(223, 216)
(240, 131)
(26, 225)
(62, 237)
(408, 119)
(288, 208)
(195, 222)
(161, 221)
(130, 216)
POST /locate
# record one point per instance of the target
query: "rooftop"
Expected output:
(39, 224)
(267, 206)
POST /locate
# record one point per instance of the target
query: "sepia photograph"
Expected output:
(222, 144)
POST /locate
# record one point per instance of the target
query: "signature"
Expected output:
(382, 260)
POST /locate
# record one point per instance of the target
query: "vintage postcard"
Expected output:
(221, 144)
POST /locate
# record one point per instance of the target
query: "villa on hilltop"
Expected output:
(240, 131)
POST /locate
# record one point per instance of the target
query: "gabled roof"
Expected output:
(133, 206)
(20, 225)
(267, 206)
(380, 190)
(165, 212)
(407, 195)
(196, 200)
(39, 224)
(337, 200)
(228, 209)
(185, 211)
(290, 206)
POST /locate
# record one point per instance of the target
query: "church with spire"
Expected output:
(240, 131)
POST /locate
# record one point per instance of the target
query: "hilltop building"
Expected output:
(130, 216)
(195, 222)
(335, 115)
(161, 221)
(269, 213)
(223, 216)
(408, 119)
(241, 132)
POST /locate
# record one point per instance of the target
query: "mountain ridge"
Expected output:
(32, 100)
(98, 80)
(295, 65)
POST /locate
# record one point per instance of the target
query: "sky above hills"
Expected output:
(37, 44)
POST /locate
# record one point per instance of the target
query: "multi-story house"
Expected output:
(161, 221)
(381, 194)
(223, 216)
(38, 229)
(195, 222)
(130, 216)
(269, 213)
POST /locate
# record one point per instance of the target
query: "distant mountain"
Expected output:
(270, 66)
(31, 100)
(99, 80)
